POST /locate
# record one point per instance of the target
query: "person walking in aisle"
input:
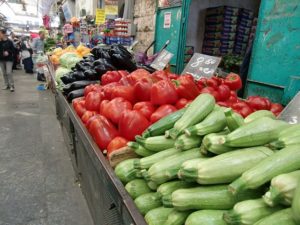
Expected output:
(26, 55)
(6, 60)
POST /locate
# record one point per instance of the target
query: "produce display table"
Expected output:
(108, 201)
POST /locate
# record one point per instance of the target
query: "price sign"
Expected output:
(291, 112)
(163, 58)
(202, 65)
(100, 16)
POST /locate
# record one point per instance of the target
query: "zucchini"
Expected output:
(195, 113)
(171, 186)
(155, 144)
(227, 167)
(214, 122)
(185, 143)
(284, 142)
(259, 114)
(259, 132)
(167, 168)
(248, 212)
(164, 124)
(233, 119)
(282, 189)
(206, 197)
(211, 143)
(189, 168)
(126, 172)
(147, 162)
(296, 204)
(283, 161)
(158, 216)
(282, 217)
(139, 150)
(177, 218)
(206, 217)
(137, 187)
(147, 201)
(290, 131)
(152, 185)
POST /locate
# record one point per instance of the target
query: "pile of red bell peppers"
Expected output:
(124, 105)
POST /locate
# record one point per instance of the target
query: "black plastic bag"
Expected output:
(76, 85)
(75, 94)
(119, 49)
(91, 74)
(106, 62)
(100, 52)
(68, 78)
(123, 63)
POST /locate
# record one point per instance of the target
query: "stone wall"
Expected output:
(144, 18)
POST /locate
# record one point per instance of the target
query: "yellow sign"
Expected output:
(100, 16)
(111, 10)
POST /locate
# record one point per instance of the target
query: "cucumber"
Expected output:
(137, 187)
(125, 171)
(206, 217)
(171, 186)
(158, 216)
(155, 144)
(139, 150)
(259, 114)
(147, 201)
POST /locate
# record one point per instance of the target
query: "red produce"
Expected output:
(159, 75)
(102, 131)
(242, 108)
(161, 112)
(233, 81)
(258, 103)
(87, 115)
(110, 77)
(163, 92)
(232, 98)
(202, 81)
(146, 108)
(92, 87)
(276, 108)
(108, 89)
(211, 91)
(92, 101)
(212, 83)
(186, 87)
(224, 92)
(172, 76)
(79, 106)
(138, 75)
(104, 109)
(224, 104)
(132, 123)
(218, 80)
(116, 143)
(126, 92)
(142, 89)
(181, 103)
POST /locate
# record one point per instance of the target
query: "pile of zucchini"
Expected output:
(205, 165)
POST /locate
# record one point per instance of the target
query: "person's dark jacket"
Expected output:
(8, 46)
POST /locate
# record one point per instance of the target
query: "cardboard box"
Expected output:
(222, 10)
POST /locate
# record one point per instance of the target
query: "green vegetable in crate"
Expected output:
(206, 217)
(166, 169)
(158, 216)
(152, 185)
(258, 132)
(282, 217)
(292, 130)
(147, 162)
(185, 143)
(164, 124)
(137, 187)
(206, 197)
(171, 186)
(211, 144)
(177, 218)
(283, 161)
(229, 166)
(248, 212)
(296, 204)
(284, 142)
(189, 168)
(156, 144)
(195, 113)
(147, 201)
(214, 122)
(282, 189)
(125, 171)
(259, 114)
(139, 150)
(233, 119)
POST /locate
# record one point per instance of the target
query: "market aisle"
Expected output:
(36, 176)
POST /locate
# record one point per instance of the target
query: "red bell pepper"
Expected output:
(104, 109)
(172, 76)
(161, 112)
(102, 131)
(232, 98)
(163, 92)
(126, 92)
(132, 123)
(211, 91)
(181, 103)
(79, 106)
(224, 92)
(258, 103)
(218, 80)
(116, 143)
(113, 110)
(87, 115)
(224, 104)
(276, 108)
(146, 108)
(137, 75)
(92, 87)
(108, 89)
(186, 87)
(142, 89)
(242, 108)
(92, 101)
(110, 76)
(212, 83)
(159, 75)
(233, 81)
